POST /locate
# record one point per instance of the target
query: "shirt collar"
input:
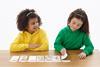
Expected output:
(32, 33)
(68, 27)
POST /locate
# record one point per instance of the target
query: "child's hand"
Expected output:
(63, 51)
(82, 55)
(34, 45)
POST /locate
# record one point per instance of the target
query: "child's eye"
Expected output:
(74, 23)
(37, 22)
(33, 23)
(79, 25)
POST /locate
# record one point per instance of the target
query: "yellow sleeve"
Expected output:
(18, 44)
(43, 42)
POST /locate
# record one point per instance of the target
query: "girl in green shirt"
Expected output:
(75, 35)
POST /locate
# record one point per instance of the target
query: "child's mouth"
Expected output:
(34, 28)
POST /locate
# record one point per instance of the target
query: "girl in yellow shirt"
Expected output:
(31, 36)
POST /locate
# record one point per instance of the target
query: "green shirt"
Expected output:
(73, 40)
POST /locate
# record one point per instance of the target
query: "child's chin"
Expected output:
(73, 29)
(34, 30)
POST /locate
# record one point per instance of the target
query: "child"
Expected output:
(75, 35)
(31, 37)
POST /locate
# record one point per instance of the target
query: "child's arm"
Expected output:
(88, 45)
(57, 45)
(43, 41)
(18, 44)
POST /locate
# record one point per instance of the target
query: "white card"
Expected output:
(23, 59)
(64, 56)
(32, 59)
(52, 59)
(40, 58)
(65, 60)
(14, 59)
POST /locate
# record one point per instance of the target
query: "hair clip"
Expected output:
(29, 13)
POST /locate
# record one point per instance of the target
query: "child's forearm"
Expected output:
(43, 47)
(18, 47)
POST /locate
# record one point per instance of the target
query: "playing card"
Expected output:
(40, 58)
(64, 56)
(14, 59)
(23, 58)
(65, 60)
(51, 58)
(32, 59)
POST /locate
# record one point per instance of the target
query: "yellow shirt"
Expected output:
(23, 40)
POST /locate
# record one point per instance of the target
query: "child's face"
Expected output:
(33, 25)
(75, 24)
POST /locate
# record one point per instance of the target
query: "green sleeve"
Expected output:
(88, 45)
(57, 45)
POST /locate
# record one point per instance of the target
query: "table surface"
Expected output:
(91, 61)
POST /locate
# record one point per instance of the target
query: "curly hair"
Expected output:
(24, 16)
(80, 14)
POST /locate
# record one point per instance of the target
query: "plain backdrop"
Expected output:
(54, 14)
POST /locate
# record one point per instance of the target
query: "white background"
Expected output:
(54, 14)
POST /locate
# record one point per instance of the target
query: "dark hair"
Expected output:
(80, 14)
(23, 18)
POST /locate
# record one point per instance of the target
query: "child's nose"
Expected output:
(35, 25)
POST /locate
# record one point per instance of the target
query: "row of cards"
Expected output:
(37, 59)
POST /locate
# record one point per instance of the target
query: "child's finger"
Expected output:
(62, 52)
(82, 57)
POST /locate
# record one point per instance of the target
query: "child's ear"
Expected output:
(68, 23)
(26, 27)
